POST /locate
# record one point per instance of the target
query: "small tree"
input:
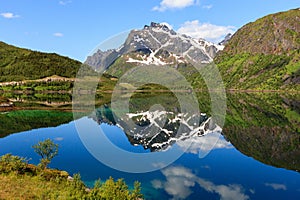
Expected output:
(47, 150)
(136, 192)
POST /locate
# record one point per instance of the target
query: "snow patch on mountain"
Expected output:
(158, 37)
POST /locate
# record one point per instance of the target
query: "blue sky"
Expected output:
(75, 27)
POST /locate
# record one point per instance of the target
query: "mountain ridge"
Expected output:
(18, 64)
(156, 41)
(272, 34)
(264, 55)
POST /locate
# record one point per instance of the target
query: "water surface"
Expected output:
(256, 155)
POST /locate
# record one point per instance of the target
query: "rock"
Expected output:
(154, 38)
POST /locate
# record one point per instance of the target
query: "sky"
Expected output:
(74, 28)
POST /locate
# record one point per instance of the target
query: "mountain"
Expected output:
(155, 44)
(149, 130)
(265, 126)
(18, 64)
(23, 120)
(264, 54)
(225, 40)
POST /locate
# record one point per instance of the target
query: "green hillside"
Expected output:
(24, 120)
(20, 180)
(264, 54)
(120, 67)
(265, 126)
(18, 64)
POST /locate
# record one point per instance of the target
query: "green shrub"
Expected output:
(10, 163)
(47, 150)
(54, 184)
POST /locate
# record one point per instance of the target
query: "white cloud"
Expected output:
(9, 15)
(157, 184)
(276, 186)
(252, 191)
(208, 7)
(203, 145)
(180, 180)
(210, 32)
(159, 165)
(58, 34)
(63, 3)
(59, 139)
(174, 4)
(206, 167)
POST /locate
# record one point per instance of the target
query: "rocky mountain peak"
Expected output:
(145, 130)
(158, 25)
(153, 40)
(226, 39)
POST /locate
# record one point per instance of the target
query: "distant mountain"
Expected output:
(264, 54)
(156, 44)
(18, 64)
(226, 39)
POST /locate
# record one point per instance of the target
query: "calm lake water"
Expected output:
(255, 156)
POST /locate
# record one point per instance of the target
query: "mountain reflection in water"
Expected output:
(263, 130)
(158, 130)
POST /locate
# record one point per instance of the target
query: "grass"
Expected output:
(293, 116)
(28, 187)
(19, 180)
(258, 71)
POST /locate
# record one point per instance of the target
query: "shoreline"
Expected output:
(144, 91)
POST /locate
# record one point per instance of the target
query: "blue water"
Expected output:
(224, 173)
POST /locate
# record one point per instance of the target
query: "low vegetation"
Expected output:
(19, 64)
(265, 127)
(23, 120)
(65, 85)
(47, 150)
(39, 86)
(260, 72)
(20, 180)
(264, 55)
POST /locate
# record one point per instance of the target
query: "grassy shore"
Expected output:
(19, 180)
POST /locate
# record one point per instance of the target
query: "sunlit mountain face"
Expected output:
(156, 44)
